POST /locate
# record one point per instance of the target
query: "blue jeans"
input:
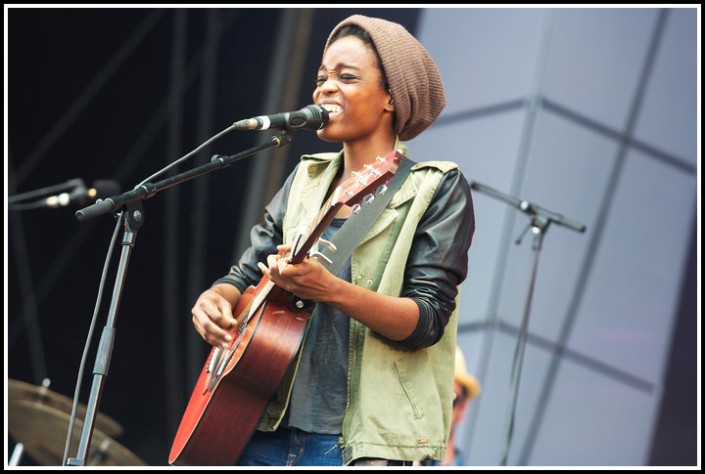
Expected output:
(291, 447)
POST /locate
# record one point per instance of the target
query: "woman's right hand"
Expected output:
(212, 314)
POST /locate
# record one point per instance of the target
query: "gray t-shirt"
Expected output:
(319, 394)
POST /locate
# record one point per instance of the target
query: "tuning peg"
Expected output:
(382, 189)
(356, 208)
(372, 170)
(368, 199)
(320, 257)
(327, 244)
(359, 178)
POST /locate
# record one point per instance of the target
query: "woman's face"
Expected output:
(349, 86)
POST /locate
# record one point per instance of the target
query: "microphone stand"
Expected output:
(70, 184)
(134, 218)
(540, 219)
(14, 203)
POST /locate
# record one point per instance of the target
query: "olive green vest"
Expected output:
(399, 401)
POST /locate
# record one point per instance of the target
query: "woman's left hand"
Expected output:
(308, 280)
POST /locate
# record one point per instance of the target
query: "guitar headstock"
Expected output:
(362, 185)
(367, 180)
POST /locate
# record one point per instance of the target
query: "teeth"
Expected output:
(331, 108)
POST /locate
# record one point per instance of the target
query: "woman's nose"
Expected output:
(328, 86)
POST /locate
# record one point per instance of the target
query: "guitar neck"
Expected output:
(303, 244)
(351, 192)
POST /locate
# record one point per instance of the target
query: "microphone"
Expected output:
(311, 117)
(80, 196)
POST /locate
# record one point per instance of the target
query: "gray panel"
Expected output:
(592, 420)
(475, 346)
(488, 432)
(624, 319)
(668, 118)
(627, 314)
(595, 59)
(567, 173)
(485, 55)
(486, 152)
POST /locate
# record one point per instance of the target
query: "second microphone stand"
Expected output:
(133, 219)
(540, 219)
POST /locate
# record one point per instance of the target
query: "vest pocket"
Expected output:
(414, 407)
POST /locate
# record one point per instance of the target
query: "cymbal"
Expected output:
(18, 390)
(42, 430)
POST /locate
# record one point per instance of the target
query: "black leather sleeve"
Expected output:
(438, 259)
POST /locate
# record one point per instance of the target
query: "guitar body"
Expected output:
(218, 423)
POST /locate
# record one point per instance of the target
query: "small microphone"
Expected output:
(80, 196)
(311, 117)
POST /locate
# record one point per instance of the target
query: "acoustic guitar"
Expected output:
(236, 384)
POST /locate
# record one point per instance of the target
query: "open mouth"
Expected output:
(332, 109)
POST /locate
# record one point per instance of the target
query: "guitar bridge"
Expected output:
(222, 363)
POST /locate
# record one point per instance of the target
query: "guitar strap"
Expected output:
(357, 225)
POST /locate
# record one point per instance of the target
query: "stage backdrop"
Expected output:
(589, 113)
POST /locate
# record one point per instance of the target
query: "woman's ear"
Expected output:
(390, 104)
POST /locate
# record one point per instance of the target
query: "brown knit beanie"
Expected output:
(414, 80)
